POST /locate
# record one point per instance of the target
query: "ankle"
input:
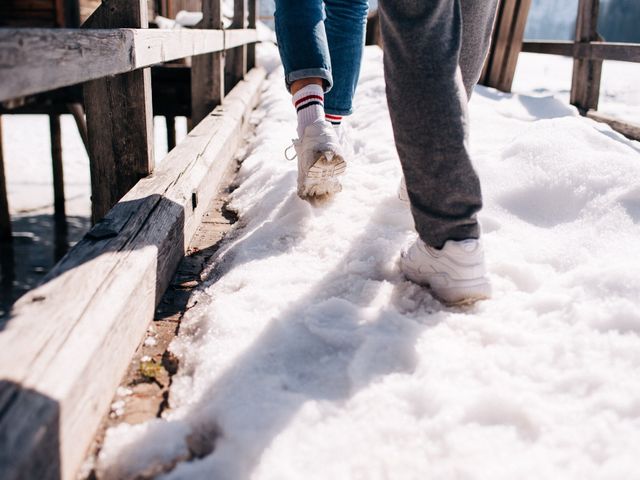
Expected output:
(309, 104)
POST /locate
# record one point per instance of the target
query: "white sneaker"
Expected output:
(320, 160)
(456, 275)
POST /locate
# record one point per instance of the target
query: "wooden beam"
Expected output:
(77, 111)
(38, 60)
(171, 132)
(236, 58)
(119, 118)
(207, 71)
(251, 23)
(587, 74)
(506, 44)
(622, 52)
(5, 216)
(71, 339)
(58, 171)
(628, 129)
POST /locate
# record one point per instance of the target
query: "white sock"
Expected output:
(309, 103)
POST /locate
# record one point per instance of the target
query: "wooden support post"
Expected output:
(58, 172)
(207, 71)
(119, 116)
(171, 132)
(251, 48)
(77, 110)
(236, 58)
(5, 217)
(587, 74)
(506, 44)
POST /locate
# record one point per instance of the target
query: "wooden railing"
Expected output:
(588, 51)
(67, 343)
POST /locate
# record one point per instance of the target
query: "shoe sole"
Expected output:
(482, 290)
(322, 177)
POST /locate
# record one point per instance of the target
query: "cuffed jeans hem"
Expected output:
(337, 111)
(310, 73)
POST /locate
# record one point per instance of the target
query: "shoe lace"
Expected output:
(286, 152)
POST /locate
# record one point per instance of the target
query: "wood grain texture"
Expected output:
(119, 117)
(38, 60)
(628, 129)
(207, 71)
(70, 340)
(587, 74)
(236, 56)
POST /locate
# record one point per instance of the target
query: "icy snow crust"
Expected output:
(310, 357)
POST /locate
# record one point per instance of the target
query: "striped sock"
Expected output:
(334, 120)
(309, 103)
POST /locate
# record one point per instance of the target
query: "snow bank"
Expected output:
(309, 356)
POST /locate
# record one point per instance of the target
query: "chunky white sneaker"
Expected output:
(456, 275)
(320, 160)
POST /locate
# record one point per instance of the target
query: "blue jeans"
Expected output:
(323, 39)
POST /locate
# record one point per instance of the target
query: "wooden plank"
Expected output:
(236, 57)
(622, 52)
(5, 217)
(99, 299)
(628, 129)
(171, 132)
(506, 44)
(207, 71)
(549, 47)
(38, 60)
(585, 84)
(119, 118)
(251, 23)
(58, 171)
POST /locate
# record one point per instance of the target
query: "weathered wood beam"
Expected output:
(207, 71)
(5, 217)
(38, 60)
(119, 118)
(622, 52)
(236, 57)
(68, 342)
(587, 74)
(58, 170)
(171, 132)
(506, 44)
(628, 129)
(251, 23)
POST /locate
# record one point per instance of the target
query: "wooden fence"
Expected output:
(588, 51)
(68, 342)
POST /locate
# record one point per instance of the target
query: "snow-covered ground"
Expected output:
(308, 355)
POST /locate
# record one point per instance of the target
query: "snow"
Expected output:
(308, 355)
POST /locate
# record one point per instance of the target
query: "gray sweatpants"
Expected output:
(433, 56)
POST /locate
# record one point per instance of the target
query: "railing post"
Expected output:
(506, 44)
(5, 217)
(119, 117)
(207, 71)
(236, 58)
(587, 74)
(251, 48)
(58, 171)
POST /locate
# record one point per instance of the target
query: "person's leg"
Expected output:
(478, 18)
(345, 24)
(302, 42)
(428, 106)
(305, 56)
